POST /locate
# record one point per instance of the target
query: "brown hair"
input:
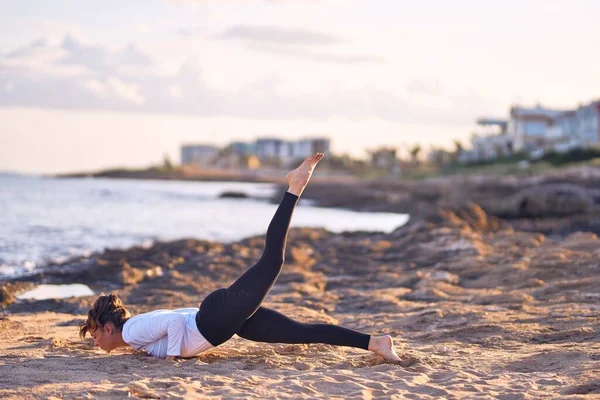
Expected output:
(106, 308)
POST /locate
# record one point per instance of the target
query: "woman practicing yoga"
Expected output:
(187, 332)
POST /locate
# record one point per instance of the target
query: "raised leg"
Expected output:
(224, 311)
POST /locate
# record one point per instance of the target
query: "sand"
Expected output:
(478, 310)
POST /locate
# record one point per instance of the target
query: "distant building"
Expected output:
(286, 152)
(305, 147)
(289, 151)
(268, 147)
(588, 123)
(528, 127)
(535, 131)
(544, 128)
(313, 145)
(493, 125)
(563, 125)
(562, 135)
(489, 142)
(199, 154)
(237, 161)
(491, 147)
(241, 148)
(264, 151)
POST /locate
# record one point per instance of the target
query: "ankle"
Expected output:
(296, 190)
(372, 343)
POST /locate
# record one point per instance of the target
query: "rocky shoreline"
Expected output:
(492, 289)
(558, 202)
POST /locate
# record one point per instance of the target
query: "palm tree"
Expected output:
(458, 149)
(414, 154)
(167, 163)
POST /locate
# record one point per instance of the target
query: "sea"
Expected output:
(48, 220)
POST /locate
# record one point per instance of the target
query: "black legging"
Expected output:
(237, 309)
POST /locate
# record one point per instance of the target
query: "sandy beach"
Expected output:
(479, 306)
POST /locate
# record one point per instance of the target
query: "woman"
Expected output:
(237, 309)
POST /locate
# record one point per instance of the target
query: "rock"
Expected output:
(7, 296)
(9, 290)
(131, 276)
(428, 278)
(548, 200)
(471, 216)
(233, 195)
(6, 324)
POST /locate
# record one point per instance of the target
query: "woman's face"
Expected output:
(103, 338)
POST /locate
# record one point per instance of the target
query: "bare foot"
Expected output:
(384, 346)
(298, 178)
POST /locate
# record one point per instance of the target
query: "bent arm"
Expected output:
(175, 331)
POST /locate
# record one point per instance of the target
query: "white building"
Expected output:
(199, 154)
(268, 147)
(588, 123)
(536, 130)
(563, 126)
(305, 147)
(290, 151)
(562, 133)
(528, 127)
(560, 130)
(489, 142)
(241, 148)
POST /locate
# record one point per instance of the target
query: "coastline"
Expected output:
(263, 175)
(499, 195)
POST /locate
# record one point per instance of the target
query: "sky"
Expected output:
(88, 85)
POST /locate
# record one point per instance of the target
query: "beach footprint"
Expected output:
(141, 390)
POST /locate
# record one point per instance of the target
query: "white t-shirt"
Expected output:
(165, 333)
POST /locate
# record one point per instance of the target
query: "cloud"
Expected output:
(98, 58)
(9, 87)
(318, 56)
(41, 59)
(126, 91)
(174, 91)
(298, 43)
(73, 74)
(96, 87)
(264, 34)
(422, 85)
(191, 31)
(27, 50)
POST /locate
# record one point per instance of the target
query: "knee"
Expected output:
(280, 260)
